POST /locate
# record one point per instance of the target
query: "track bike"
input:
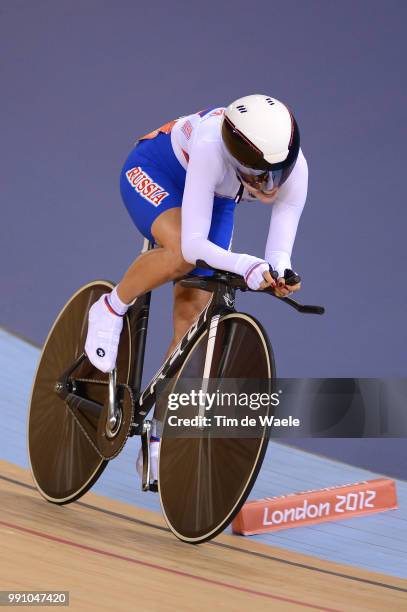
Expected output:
(80, 419)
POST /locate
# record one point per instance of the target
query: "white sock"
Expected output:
(116, 303)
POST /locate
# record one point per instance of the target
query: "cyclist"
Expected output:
(180, 185)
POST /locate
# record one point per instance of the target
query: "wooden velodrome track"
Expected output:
(113, 556)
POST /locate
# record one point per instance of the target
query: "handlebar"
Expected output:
(235, 281)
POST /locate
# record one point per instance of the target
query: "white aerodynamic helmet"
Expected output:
(261, 133)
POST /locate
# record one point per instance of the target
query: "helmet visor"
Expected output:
(268, 179)
(249, 156)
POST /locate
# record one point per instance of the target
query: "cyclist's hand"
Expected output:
(289, 283)
(269, 281)
(258, 275)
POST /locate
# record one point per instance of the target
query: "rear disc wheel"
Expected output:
(62, 443)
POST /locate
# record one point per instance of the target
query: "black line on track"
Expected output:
(220, 544)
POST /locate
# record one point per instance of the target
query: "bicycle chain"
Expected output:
(83, 430)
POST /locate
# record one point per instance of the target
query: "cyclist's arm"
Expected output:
(206, 169)
(285, 216)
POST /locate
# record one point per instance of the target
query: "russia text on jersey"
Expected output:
(145, 186)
